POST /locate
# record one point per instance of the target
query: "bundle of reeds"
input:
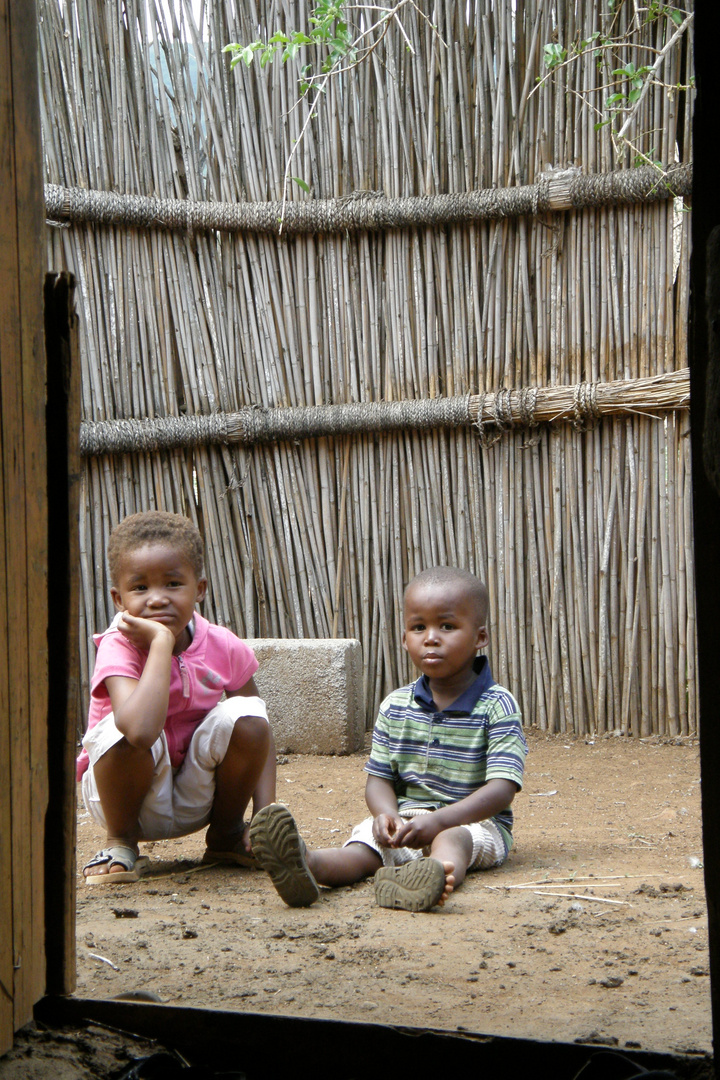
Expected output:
(584, 537)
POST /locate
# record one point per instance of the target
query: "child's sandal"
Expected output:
(118, 855)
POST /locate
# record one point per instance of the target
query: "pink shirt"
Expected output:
(216, 660)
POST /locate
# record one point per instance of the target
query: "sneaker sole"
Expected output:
(414, 886)
(280, 851)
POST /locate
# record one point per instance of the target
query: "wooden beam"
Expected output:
(23, 590)
(63, 417)
(705, 427)
(266, 1046)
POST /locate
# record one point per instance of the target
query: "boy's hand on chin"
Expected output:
(142, 632)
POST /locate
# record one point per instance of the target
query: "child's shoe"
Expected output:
(279, 849)
(414, 886)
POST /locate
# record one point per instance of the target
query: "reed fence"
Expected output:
(582, 529)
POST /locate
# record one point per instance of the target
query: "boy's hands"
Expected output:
(417, 832)
(382, 804)
(142, 632)
(385, 827)
(391, 831)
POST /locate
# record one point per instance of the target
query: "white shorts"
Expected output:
(179, 801)
(488, 846)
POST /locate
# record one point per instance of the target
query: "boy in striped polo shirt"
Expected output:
(447, 759)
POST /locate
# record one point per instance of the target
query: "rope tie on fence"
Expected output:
(542, 201)
(500, 416)
(486, 439)
(556, 190)
(503, 409)
(585, 406)
(527, 404)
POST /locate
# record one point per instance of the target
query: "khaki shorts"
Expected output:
(488, 846)
(179, 801)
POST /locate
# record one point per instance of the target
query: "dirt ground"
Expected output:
(595, 930)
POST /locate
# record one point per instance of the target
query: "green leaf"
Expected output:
(634, 95)
(588, 41)
(553, 54)
(301, 183)
(676, 16)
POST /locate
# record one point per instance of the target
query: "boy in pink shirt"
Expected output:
(177, 737)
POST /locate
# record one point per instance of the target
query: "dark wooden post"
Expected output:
(23, 526)
(63, 425)
(705, 415)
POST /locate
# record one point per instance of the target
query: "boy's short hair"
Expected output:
(155, 527)
(453, 575)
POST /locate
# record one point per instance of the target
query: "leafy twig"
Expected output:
(637, 79)
(663, 53)
(330, 29)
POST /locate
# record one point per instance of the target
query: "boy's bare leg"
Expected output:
(123, 776)
(343, 866)
(243, 769)
(453, 848)
(295, 871)
(346, 865)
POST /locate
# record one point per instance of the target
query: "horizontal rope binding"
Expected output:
(556, 190)
(581, 405)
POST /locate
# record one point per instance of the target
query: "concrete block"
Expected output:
(313, 689)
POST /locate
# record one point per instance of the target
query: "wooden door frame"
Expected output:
(23, 525)
(26, 619)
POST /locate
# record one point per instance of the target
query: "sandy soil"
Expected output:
(594, 930)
